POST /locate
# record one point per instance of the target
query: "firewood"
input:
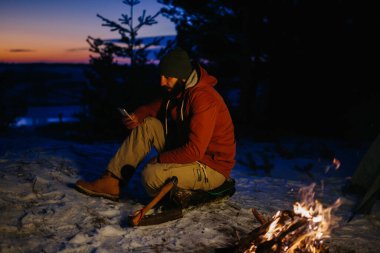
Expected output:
(258, 216)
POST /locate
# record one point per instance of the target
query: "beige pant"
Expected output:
(150, 134)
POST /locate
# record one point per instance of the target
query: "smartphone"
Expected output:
(124, 112)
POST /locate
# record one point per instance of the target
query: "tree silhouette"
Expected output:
(129, 45)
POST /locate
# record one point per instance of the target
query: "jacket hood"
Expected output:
(200, 77)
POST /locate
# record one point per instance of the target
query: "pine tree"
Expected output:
(129, 45)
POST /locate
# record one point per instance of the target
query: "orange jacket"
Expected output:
(204, 125)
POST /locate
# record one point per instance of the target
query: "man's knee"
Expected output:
(151, 121)
(153, 130)
(152, 178)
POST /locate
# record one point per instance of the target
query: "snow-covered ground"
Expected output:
(41, 212)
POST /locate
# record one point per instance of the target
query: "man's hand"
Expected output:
(131, 122)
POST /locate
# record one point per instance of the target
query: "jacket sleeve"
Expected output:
(203, 113)
(151, 110)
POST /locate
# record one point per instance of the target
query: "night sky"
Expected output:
(56, 31)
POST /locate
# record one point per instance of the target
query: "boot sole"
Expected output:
(97, 194)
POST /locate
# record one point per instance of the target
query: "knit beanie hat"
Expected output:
(176, 63)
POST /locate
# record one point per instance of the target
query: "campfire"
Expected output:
(303, 229)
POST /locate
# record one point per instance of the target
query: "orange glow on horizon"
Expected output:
(48, 56)
(20, 49)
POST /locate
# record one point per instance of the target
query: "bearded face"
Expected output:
(172, 85)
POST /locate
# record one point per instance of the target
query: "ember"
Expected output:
(302, 230)
(335, 163)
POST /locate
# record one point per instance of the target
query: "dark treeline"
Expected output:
(302, 66)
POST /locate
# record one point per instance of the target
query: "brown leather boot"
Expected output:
(107, 186)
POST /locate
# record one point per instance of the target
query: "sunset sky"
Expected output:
(56, 30)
